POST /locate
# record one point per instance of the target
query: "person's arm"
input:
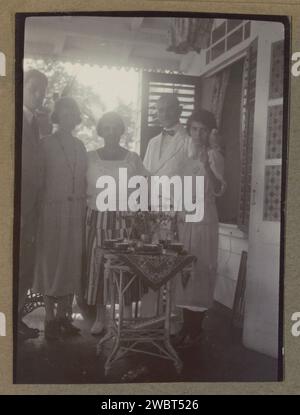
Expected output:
(85, 164)
(213, 163)
(148, 157)
(204, 159)
(42, 173)
(139, 167)
(216, 169)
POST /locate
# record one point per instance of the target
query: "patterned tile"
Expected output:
(277, 67)
(274, 132)
(272, 194)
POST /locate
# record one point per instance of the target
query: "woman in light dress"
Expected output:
(203, 158)
(107, 160)
(60, 240)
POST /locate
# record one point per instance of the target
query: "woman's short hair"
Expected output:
(113, 117)
(205, 117)
(60, 104)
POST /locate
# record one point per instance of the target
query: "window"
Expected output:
(227, 34)
(185, 94)
(97, 89)
(187, 89)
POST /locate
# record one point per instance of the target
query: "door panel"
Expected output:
(261, 330)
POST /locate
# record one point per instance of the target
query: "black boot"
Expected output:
(184, 332)
(67, 327)
(52, 330)
(197, 323)
(195, 331)
(194, 321)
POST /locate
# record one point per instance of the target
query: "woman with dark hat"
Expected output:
(61, 228)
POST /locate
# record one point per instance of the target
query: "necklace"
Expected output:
(71, 166)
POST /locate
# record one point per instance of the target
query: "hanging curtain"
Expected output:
(213, 93)
(187, 34)
(218, 97)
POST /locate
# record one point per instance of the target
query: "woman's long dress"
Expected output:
(201, 240)
(104, 225)
(60, 239)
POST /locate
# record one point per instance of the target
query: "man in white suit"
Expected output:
(164, 156)
(166, 149)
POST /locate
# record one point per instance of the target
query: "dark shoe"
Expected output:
(25, 332)
(69, 317)
(52, 330)
(98, 328)
(67, 327)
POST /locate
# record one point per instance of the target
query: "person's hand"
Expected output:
(214, 139)
(199, 151)
(203, 156)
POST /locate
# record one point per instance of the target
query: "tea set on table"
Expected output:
(143, 246)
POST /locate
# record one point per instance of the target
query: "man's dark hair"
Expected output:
(170, 99)
(35, 74)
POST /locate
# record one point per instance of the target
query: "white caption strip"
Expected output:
(2, 325)
(2, 64)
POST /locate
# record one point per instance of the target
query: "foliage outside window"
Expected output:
(97, 90)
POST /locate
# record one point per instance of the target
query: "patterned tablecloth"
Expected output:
(156, 269)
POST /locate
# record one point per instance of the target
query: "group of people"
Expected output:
(62, 231)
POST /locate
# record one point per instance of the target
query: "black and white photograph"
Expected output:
(149, 197)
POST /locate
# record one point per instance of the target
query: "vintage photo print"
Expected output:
(149, 194)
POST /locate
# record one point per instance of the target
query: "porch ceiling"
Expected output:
(117, 41)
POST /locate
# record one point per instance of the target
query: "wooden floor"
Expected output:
(219, 357)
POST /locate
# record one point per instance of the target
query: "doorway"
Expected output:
(230, 130)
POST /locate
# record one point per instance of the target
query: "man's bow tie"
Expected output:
(168, 132)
